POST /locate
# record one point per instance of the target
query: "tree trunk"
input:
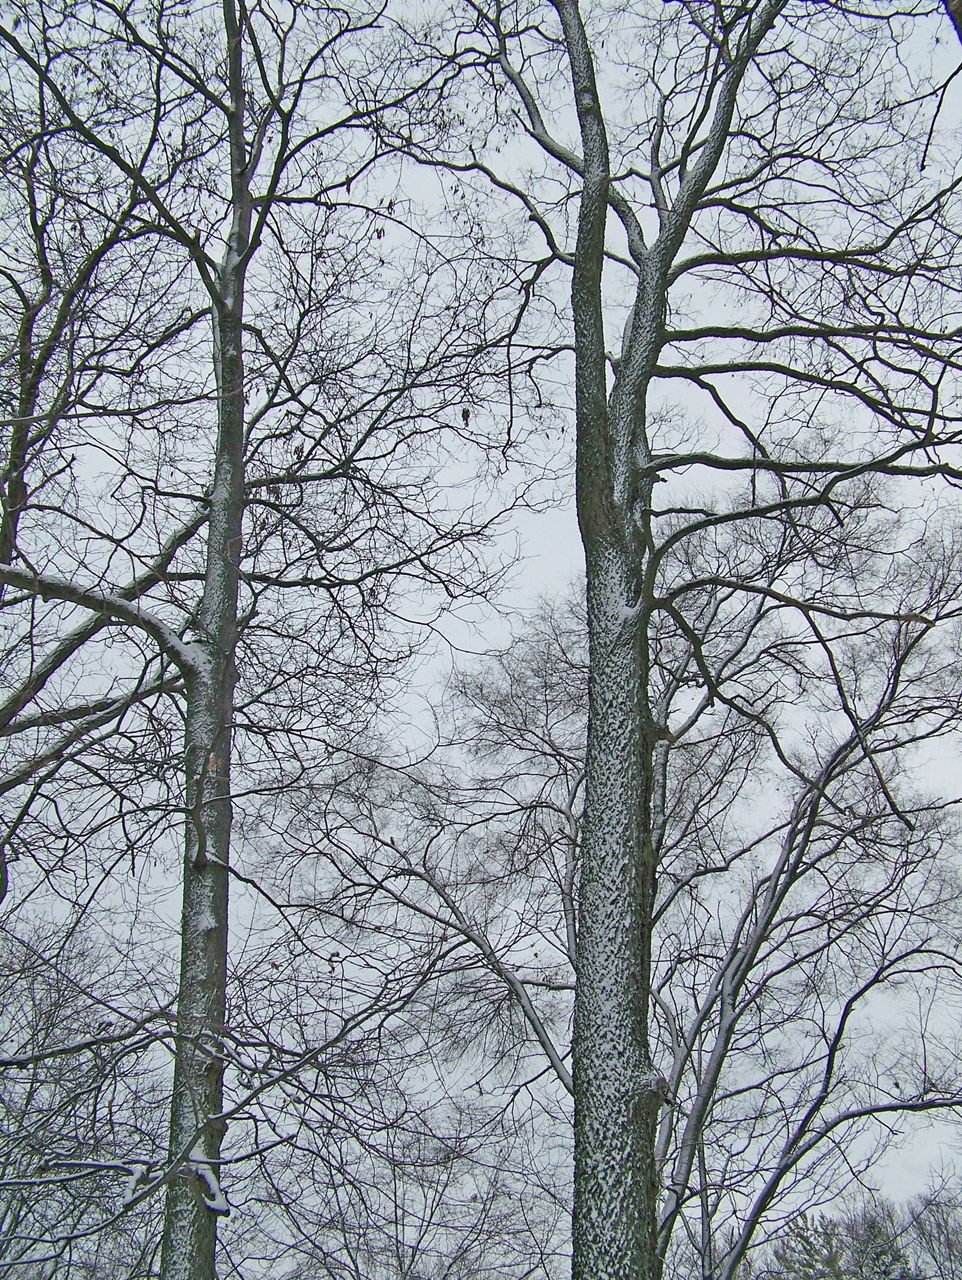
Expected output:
(194, 1197)
(618, 1092)
(195, 1130)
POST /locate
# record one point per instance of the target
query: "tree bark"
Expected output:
(618, 1092)
(194, 1198)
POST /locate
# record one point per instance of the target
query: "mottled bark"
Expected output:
(615, 1087)
(618, 1090)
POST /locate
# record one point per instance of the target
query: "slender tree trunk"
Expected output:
(190, 1224)
(31, 366)
(194, 1197)
(14, 473)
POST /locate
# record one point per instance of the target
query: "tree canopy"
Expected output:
(631, 944)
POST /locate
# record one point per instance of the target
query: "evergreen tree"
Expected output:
(863, 1247)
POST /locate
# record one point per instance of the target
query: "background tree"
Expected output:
(916, 1238)
(828, 1248)
(73, 1105)
(798, 1006)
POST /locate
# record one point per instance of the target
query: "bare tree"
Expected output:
(68, 1105)
(204, 365)
(766, 257)
(739, 847)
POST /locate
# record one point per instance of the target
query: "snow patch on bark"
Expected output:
(208, 1185)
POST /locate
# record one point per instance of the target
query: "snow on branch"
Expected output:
(188, 657)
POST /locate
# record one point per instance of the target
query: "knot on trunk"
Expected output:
(654, 1092)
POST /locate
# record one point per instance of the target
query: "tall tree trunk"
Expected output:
(618, 1093)
(194, 1197)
